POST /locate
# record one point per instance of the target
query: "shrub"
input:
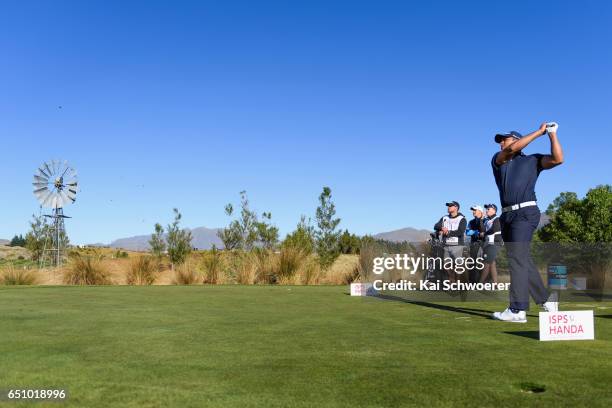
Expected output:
(86, 270)
(213, 266)
(310, 272)
(367, 253)
(142, 271)
(15, 276)
(185, 274)
(266, 266)
(246, 268)
(351, 276)
(289, 262)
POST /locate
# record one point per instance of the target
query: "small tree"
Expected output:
(18, 240)
(349, 243)
(230, 236)
(266, 232)
(326, 234)
(39, 234)
(158, 242)
(303, 238)
(245, 231)
(178, 241)
(580, 232)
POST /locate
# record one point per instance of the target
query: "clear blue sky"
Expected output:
(393, 104)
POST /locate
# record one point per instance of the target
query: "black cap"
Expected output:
(512, 133)
(491, 206)
(452, 203)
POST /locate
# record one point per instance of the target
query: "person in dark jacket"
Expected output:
(491, 243)
(475, 230)
(452, 228)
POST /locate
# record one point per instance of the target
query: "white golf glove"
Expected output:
(551, 127)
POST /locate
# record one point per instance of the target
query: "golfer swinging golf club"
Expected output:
(515, 175)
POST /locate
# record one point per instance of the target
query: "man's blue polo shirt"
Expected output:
(516, 179)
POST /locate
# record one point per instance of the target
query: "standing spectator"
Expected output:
(452, 227)
(475, 230)
(492, 242)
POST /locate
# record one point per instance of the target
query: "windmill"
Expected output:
(55, 185)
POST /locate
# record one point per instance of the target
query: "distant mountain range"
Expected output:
(405, 234)
(204, 238)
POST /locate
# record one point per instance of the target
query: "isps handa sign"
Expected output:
(570, 325)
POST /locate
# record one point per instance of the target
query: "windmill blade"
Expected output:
(71, 195)
(40, 179)
(46, 192)
(46, 166)
(41, 196)
(57, 201)
(47, 199)
(66, 169)
(63, 198)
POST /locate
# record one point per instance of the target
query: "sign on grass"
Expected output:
(362, 289)
(571, 325)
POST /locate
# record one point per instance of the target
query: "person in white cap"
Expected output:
(491, 243)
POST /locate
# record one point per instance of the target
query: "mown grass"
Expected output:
(284, 346)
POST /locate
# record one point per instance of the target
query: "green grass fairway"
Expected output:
(265, 346)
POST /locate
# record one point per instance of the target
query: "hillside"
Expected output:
(404, 234)
(203, 238)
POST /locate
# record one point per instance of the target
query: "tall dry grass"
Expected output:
(310, 272)
(267, 264)
(290, 260)
(142, 271)
(186, 274)
(213, 267)
(245, 264)
(86, 270)
(341, 271)
(367, 253)
(10, 275)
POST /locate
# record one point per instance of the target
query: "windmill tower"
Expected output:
(55, 185)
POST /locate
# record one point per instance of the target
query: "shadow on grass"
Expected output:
(604, 316)
(530, 334)
(464, 310)
(597, 296)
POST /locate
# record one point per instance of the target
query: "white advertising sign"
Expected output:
(570, 325)
(362, 289)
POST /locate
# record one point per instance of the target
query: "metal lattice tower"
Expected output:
(55, 185)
